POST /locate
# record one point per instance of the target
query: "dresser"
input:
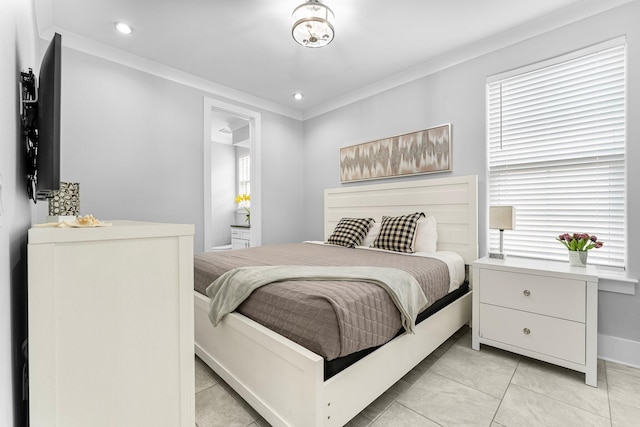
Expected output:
(544, 310)
(240, 237)
(111, 326)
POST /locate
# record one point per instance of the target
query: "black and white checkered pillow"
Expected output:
(397, 232)
(350, 232)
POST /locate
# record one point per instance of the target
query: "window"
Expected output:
(556, 151)
(244, 174)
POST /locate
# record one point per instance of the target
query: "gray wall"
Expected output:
(18, 50)
(457, 95)
(134, 143)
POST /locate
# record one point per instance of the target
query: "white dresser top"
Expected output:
(118, 230)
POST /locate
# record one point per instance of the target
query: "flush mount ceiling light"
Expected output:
(123, 28)
(298, 96)
(312, 24)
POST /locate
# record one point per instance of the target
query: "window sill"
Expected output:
(620, 283)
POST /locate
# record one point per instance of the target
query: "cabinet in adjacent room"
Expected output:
(240, 237)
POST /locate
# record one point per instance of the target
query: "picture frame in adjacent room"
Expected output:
(421, 152)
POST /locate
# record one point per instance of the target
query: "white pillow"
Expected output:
(372, 234)
(426, 237)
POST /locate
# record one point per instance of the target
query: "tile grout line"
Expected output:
(564, 403)
(395, 400)
(606, 375)
(467, 386)
(493, 419)
(418, 413)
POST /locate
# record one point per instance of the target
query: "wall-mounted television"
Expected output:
(41, 123)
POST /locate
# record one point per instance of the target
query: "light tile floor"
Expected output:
(457, 386)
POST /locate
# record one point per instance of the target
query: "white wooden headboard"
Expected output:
(453, 201)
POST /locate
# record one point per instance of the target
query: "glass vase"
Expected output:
(578, 258)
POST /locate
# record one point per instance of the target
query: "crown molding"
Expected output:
(566, 16)
(139, 63)
(46, 30)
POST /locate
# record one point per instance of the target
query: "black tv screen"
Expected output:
(48, 154)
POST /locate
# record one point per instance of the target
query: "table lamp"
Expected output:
(501, 218)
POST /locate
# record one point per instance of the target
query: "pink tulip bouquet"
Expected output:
(579, 241)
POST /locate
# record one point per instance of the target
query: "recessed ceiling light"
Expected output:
(298, 96)
(123, 28)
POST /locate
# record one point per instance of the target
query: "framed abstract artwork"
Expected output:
(421, 152)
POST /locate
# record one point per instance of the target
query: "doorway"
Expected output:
(229, 133)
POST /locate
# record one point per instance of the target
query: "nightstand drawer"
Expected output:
(554, 337)
(551, 296)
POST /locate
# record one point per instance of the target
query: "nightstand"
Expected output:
(540, 309)
(240, 237)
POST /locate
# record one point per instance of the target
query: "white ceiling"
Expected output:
(246, 45)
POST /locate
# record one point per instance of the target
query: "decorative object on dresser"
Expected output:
(501, 218)
(578, 244)
(540, 309)
(65, 203)
(425, 151)
(111, 325)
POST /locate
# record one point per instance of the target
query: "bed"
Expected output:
(284, 381)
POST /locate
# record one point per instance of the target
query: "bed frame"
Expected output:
(283, 381)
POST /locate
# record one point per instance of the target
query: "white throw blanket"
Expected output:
(233, 287)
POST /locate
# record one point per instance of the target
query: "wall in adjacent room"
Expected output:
(223, 191)
(456, 95)
(18, 52)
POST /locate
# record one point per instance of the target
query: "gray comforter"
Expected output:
(233, 287)
(330, 318)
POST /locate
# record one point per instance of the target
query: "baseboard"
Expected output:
(619, 350)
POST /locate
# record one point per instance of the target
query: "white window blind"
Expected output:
(556, 137)
(244, 175)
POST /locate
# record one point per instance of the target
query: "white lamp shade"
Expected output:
(502, 217)
(313, 24)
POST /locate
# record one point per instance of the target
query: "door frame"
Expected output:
(255, 131)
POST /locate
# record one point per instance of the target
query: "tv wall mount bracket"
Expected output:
(29, 116)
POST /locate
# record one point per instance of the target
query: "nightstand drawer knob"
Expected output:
(526, 331)
(526, 292)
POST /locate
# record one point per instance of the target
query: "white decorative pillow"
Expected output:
(426, 237)
(350, 232)
(372, 234)
(397, 233)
